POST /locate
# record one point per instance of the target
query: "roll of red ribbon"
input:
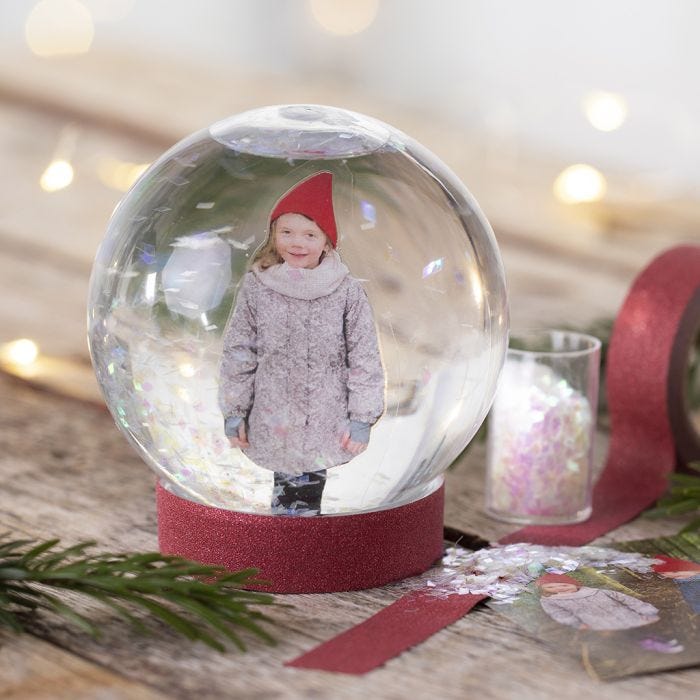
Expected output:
(650, 427)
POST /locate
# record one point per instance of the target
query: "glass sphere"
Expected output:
(179, 245)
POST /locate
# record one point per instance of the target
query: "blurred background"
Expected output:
(575, 125)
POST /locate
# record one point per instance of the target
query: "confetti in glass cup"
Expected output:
(541, 429)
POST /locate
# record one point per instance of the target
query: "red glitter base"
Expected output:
(320, 554)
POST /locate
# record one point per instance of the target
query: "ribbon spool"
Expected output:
(685, 430)
(650, 427)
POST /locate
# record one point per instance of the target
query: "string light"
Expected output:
(59, 172)
(118, 174)
(57, 176)
(21, 358)
(605, 111)
(344, 18)
(59, 28)
(580, 183)
(22, 352)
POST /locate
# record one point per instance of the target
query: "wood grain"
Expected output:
(66, 471)
(80, 480)
(33, 668)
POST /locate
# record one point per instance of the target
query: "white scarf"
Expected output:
(300, 283)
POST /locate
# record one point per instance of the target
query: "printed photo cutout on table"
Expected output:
(301, 381)
(616, 621)
(686, 574)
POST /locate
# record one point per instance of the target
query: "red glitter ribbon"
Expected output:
(403, 624)
(307, 555)
(647, 360)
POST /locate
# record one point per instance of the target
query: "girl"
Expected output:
(301, 380)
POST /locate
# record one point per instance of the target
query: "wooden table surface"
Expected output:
(66, 471)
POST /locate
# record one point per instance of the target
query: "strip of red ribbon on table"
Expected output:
(410, 620)
(647, 361)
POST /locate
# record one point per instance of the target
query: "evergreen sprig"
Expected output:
(683, 498)
(204, 603)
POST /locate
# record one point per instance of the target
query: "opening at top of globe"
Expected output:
(309, 132)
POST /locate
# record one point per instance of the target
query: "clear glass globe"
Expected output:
(167, 274)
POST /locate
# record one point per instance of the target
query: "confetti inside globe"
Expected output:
(418, 267)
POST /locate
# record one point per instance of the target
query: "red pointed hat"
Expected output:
(312, 197)
(557, 578)
(671, 564)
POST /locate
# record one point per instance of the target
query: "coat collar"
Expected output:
(300, 283)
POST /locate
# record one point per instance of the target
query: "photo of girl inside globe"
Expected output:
(301, 381)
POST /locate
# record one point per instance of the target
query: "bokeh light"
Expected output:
(59, 28)
(580, 183)
(187, 369)
(344, 18)
(19, 352)
(57, 176)
(118, 174)
(605, 111)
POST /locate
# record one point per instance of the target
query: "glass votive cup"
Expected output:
(541, 429)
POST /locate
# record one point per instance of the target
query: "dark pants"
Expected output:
(298, 494)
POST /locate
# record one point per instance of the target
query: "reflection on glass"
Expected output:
(428, 264)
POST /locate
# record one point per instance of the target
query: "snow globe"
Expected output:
(298, 317)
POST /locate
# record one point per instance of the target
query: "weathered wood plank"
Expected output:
(32, 669)
(81, 480)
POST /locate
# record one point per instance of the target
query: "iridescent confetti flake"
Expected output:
(176, 180)
(369, 214)
(148, 254)
(502, 572)
(662, 646)
(241, 245)
(432, 267)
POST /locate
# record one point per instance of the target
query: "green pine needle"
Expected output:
(203, 603)
(683, 498)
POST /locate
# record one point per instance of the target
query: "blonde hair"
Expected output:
(267, 255)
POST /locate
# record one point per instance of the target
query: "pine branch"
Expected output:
(204, 603)
(682, 498)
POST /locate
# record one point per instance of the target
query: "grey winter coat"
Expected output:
(300, 360)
